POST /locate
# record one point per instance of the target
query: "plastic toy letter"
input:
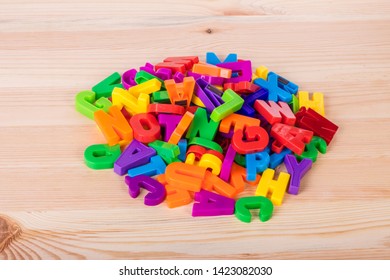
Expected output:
(233, 103)
(227, 164)
(216, 184)
(317, 104)
(201, 126)
(321, 126)
(212, 58)
(101, 156)
(256, 140)
(185, 176)
(292, 137)
(212, 204)
(105, 87)
(275, 112)
(244, 204)
(311, 151)
(273, 188)
(145, 127)
(133, 104)
(180, 93)
(156, 190)
(275, 93)
(85, 103)
(237, 122)
(156, 166)
(297, 171)
(136, 154)
(114, 125)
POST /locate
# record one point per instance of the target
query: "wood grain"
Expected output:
(50, 50)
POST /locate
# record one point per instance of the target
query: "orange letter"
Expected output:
(114, 125)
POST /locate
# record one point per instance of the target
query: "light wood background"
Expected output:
(49, 51)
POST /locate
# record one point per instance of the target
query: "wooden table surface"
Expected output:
(49, 51)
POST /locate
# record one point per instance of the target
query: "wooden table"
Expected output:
(50, 51)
